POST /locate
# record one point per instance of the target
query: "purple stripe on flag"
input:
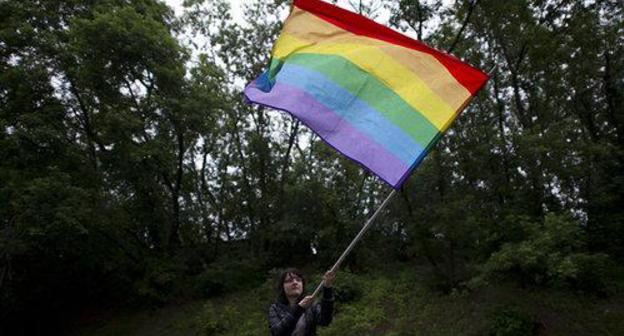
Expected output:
(336, 131)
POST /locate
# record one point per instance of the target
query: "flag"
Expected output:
(375, 95)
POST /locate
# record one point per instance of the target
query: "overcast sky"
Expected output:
(237, 7)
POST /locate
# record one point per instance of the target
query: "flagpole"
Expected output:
(357, 238)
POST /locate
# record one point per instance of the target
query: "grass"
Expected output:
(376, 304)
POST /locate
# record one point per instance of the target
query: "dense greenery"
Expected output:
(133, 173)
(394, 303)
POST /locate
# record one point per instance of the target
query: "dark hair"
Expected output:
(281, 295)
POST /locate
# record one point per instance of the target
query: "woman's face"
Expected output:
(293, 285)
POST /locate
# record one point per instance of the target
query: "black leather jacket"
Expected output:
(283, 319)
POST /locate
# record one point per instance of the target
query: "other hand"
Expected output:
(306, 301)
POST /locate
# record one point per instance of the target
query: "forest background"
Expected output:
(133, 176)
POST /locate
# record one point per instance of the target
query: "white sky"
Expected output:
(236, 5)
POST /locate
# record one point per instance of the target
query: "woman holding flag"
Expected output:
(296, 314)
(379, 97)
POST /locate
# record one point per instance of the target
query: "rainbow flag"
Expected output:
(375, 95)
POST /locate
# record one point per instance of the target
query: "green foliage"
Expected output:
(511, 322)
(229, 320)
(349, 289)
(159, 281)
(551, 254)
(95, 128)
(362, 311)
(224, 277)
(241, 313)
(395, 303)
(210, 323)
(132, 171)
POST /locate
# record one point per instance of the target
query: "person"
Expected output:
(293, 313)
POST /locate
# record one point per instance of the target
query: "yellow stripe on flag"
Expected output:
(411, 88)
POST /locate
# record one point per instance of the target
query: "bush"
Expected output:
(511, 322)
(159, 281)
(553, 254)
(243, 313)
(210, 322)
(227, 277)
(348, 289)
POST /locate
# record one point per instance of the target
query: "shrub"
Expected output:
(553, 254)
(158, 281)
(348, 289)
(227, 277)
(511, 322)
(210, 322)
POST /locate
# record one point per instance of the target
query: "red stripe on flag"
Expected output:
(471, 78)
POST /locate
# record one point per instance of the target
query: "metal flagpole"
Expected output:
(357, 238)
